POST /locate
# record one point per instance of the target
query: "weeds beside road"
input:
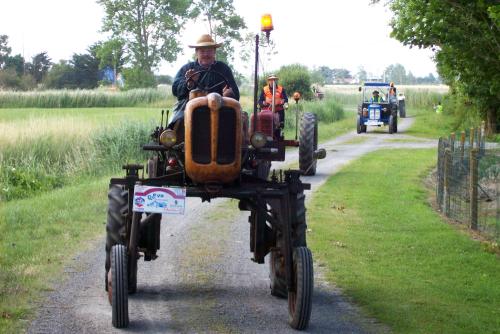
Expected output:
(379, 240)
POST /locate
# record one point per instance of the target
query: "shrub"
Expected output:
(328, 111)
(138, 78)
(32, 166)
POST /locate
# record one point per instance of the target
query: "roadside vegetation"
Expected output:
(38, 236)
(34, 164)
(87, 98)
(43, 149)
(375, 235)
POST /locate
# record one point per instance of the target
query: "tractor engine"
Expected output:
(266, 122)
(213, 139)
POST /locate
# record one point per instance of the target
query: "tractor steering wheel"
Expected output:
(202, 75)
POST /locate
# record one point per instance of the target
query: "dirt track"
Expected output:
(203, 280)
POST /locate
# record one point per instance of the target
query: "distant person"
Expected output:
(392, 89)
(280, 98)
(392, 92)
(376, 98)
(439, 108)
(185, 80)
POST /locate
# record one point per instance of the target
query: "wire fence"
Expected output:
(468, 187)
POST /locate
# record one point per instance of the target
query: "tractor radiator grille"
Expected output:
(200, 135)
(226, 138)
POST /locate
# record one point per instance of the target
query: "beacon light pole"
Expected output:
(266, 25)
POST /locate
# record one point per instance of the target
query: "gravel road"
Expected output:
(204, 280)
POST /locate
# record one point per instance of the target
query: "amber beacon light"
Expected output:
(266, 24)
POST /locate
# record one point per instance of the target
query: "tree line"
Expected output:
(465, 36)
(395, 73)
(143, 32)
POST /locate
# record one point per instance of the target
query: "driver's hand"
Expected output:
(227, 91)
(191, 79)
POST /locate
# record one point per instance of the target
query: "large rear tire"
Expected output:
(391, 124)
(358, 125)
(300, 300)
(308, 143)
(402, 109)
(276, 260)
(277, 275)
(119, 286)
(116, 225)
(116, 231)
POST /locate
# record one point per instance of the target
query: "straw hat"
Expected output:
(205, 41)
(272, 77)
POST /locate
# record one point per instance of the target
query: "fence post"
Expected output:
(440, 172)
(471, 138)
(447, 172)
(478, 137)
(452, 141)
(473, 187)
(462, 146)
(483, 135)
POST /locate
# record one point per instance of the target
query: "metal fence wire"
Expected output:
(467, 185)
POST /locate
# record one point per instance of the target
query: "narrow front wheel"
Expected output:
(118, 289)
(300, 300)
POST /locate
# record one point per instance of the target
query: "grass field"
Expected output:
(378, 239)
(38, 236)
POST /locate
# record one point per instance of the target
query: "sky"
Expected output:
(334, 33)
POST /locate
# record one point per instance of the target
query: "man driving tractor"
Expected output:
(205, 73)
(376, 98)
(280, 98)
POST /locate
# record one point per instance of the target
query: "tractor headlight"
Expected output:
(384, 109)
(258, 140)
(168, 138)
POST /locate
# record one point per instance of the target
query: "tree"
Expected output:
(112, 54)
(466, 39)
(327, 74)
(317, 77)
(340, 75)
(39, 66)
(150, 28)
(61, 75)
(4, 49)
(362, 75)
(136, 77)
(86, 70)
(16, 63)
(396, 73)
(224, 25)
(164, 79)
(296, 78)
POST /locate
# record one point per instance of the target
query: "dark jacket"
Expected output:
(179, 87)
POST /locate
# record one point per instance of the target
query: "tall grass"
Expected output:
(415, 96)
(31, 165)
(85, 98)
(46, 149)
(326, 110)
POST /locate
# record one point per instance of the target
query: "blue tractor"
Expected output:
(377, 108)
